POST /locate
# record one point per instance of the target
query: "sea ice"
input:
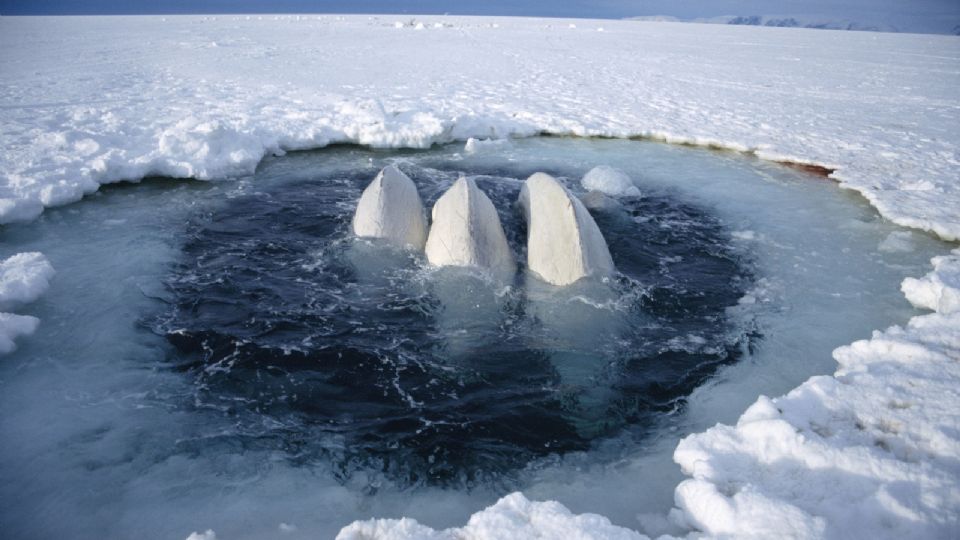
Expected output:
(390, 208)
(564, 243)
(611, 181)
(513, 516)
(23, 278)
(474, 145)
(466, 231)
(940, 289)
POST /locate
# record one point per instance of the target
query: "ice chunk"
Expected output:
(940, 289)
(474, 146)
(23, 278)
(12, 326)
(610, 181)
(897, 242)
(12, 210)
(466, 231)
(564, 244)
(390, 208)
(513, 516)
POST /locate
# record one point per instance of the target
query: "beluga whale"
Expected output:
(567, 297)
(466, 232)
(390, 209)
(564, 243)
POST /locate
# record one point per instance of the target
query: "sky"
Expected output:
(907, 15)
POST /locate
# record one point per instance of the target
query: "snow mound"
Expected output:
(466, 231)
(611, 181)
(390, 208)
(940, 289)
(564, 244)
(513, 516)
(868, 453)
(23, 278)
(13, 326)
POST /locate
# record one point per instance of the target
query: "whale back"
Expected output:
(390, 209)
(564, 243)
(466, 231)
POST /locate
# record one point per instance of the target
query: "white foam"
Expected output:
(564, 243)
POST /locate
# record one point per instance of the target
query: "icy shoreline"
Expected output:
(89, 101)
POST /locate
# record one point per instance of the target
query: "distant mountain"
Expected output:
(766, 20)
(784, 22)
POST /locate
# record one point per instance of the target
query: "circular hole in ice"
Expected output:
(117, 432)
(441, 376)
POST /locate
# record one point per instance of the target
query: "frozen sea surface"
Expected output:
(223, 355)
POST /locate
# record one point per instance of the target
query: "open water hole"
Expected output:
(225, 355)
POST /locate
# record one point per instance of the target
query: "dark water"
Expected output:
(334, 350)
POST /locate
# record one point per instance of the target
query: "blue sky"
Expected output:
(911, 15)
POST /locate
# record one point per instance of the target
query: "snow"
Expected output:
(23, 278)
(609, 180)
(883, 115)
(939, 290)
(390, 209)
(564, 244)
(869, 453)
(466, 231)
(512, 516)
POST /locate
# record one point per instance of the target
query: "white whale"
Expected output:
(390, 209)
(564, 244)
(466, 231)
